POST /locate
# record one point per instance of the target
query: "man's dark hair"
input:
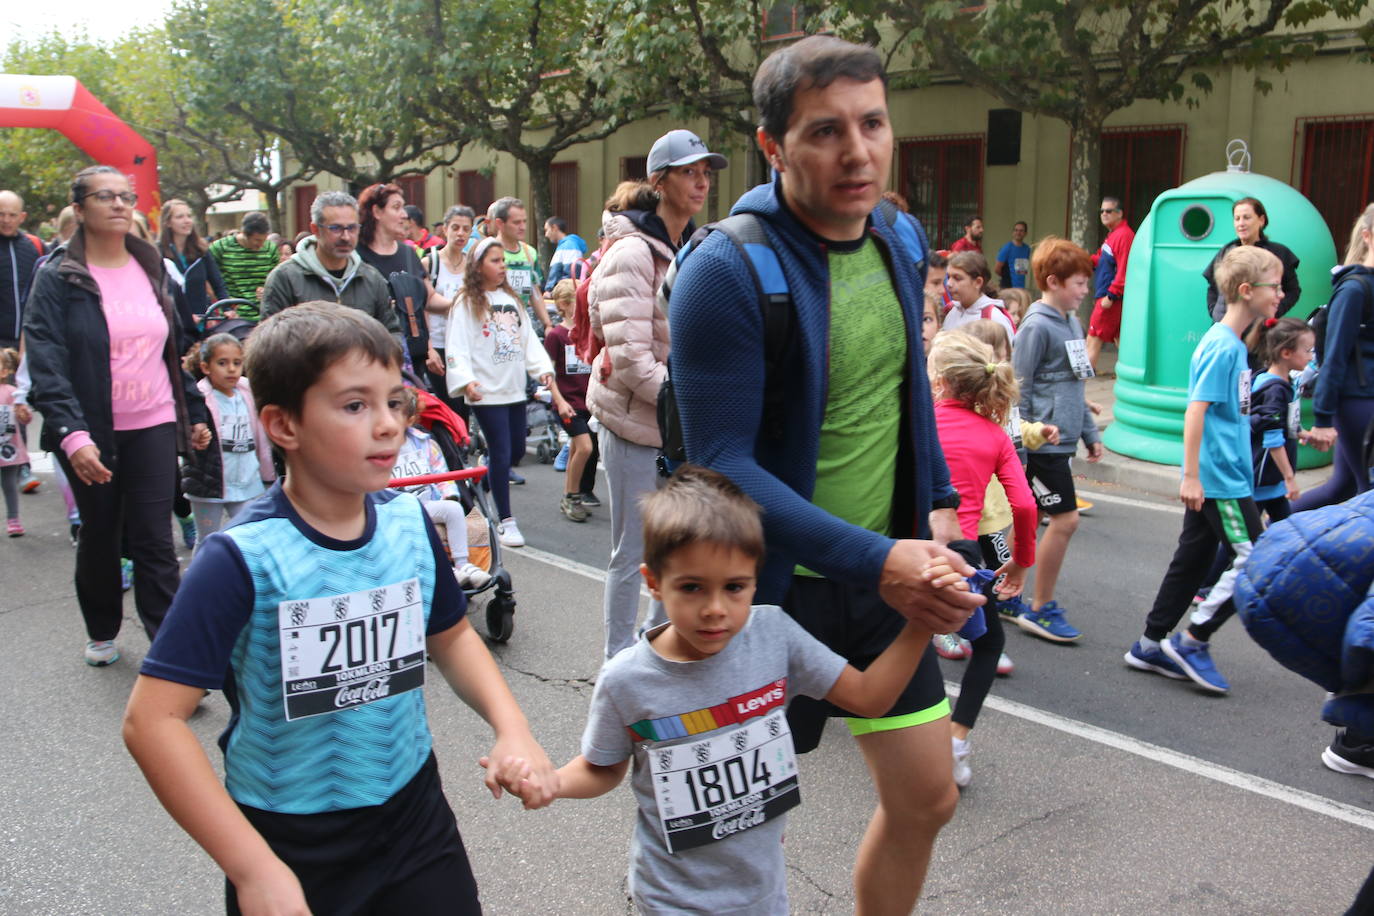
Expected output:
(288, 352)
(256, 223)
(935, 259)
(812, 63)
(558, 223)
(1115, 201)
(1022, 223)
(971, 220)
(417, 216)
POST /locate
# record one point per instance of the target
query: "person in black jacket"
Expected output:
(102, 336)
(1250, 219)
(19, 254)
(188, 259)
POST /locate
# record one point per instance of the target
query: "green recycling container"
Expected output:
(1165, 308)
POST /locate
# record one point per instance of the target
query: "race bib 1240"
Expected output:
(351, 650)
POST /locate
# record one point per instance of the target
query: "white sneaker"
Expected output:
(963, 774)
(510, 533)
(471, 575)
(101, 652)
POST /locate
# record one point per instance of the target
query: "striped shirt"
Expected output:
(244, 270)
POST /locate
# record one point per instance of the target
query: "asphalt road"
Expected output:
(1096, 789)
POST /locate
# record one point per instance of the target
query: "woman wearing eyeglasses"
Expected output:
(101, 332)
(1249, 218)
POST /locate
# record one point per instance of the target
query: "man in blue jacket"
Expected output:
(849, 472)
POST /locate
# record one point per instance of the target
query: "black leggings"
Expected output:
(134, 509)
(981, 670)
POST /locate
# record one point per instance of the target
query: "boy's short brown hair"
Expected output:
(1056, 257)
(288, 352)
(1243, 264)
(696, 506)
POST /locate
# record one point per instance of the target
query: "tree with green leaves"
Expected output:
(338, 89)
(1081, 60)
(530, 78)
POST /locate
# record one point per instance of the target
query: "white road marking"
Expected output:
(1258, 785)
(1309, 801)
(1092, 495)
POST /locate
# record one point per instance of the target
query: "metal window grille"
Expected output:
(476, 190)
(563, 179)
(942, 180)
(1139, 164)
(305, 195)
(1337, 169)
(634, 168)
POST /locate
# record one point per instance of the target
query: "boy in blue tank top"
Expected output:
(1217, 489)
(314, 612)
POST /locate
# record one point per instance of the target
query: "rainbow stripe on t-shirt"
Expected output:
(733, 711)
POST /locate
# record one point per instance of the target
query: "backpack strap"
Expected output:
(909, 232)
(37, 243)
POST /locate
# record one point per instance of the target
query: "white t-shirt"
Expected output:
(447, 282)
(497, 352)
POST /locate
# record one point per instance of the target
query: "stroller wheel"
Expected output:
(544, 453)
(500, 618)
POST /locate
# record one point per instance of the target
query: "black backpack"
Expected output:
(746, 232)
(1319, 318)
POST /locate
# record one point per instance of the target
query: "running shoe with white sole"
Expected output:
(1344, 757)
(1196, 662)
(101, 652)
(470, 575)
(1004, 665)
(510, 534)
(1048, 622)
(950, 646)
(1155, 660)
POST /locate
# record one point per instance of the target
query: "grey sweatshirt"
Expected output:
(1050, 392)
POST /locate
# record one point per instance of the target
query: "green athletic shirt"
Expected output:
(856, 468)
(522, 271)
(244, 271)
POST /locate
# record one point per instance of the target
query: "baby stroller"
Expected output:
(218, 319)
(543, 425)
(450, 432)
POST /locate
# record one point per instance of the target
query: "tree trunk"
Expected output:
(273, 197)
(540, 205)
(1085, 181)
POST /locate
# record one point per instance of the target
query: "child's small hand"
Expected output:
(939, 573)
(1095, 453)
(509, 774)
(23, 414)
(1291, 483)
(538, 784)
(1191, 494)
(1013, 580)
(1050, 432)
(1095, 407)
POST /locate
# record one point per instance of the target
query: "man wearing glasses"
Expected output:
(1109, 278)
(326, 266)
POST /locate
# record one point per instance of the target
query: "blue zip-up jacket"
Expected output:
(1346, 333)
(1306, 594)
(717, 335)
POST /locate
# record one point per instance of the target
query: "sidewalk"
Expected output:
(1119, 470)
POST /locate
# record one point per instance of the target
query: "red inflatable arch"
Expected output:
(62, 103)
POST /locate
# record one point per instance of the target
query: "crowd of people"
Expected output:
(845, 482)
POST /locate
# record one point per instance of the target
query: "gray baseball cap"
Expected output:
(681, 147)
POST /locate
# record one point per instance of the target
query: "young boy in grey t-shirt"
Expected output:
(700, 705)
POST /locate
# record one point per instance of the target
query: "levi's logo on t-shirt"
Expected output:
(737, 709)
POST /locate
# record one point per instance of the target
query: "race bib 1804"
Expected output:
(732, 780)
(351, 650)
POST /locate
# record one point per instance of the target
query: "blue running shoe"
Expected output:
(515, 478)
(126, 573)
(1048, 623)
(1196, 662)
(1011, 608)
(560, 463)
(1153, 660)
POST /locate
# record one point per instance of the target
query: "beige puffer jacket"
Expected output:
(624, 311)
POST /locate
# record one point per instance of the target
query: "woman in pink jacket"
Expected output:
(644, 224)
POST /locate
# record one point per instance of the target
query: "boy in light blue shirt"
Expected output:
(1217, 487)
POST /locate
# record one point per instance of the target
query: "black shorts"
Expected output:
(401, 857)
(1051, 480)
(857, 624)
(577, 424)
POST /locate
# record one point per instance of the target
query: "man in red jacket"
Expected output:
(972, 239)
(1109, 278)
